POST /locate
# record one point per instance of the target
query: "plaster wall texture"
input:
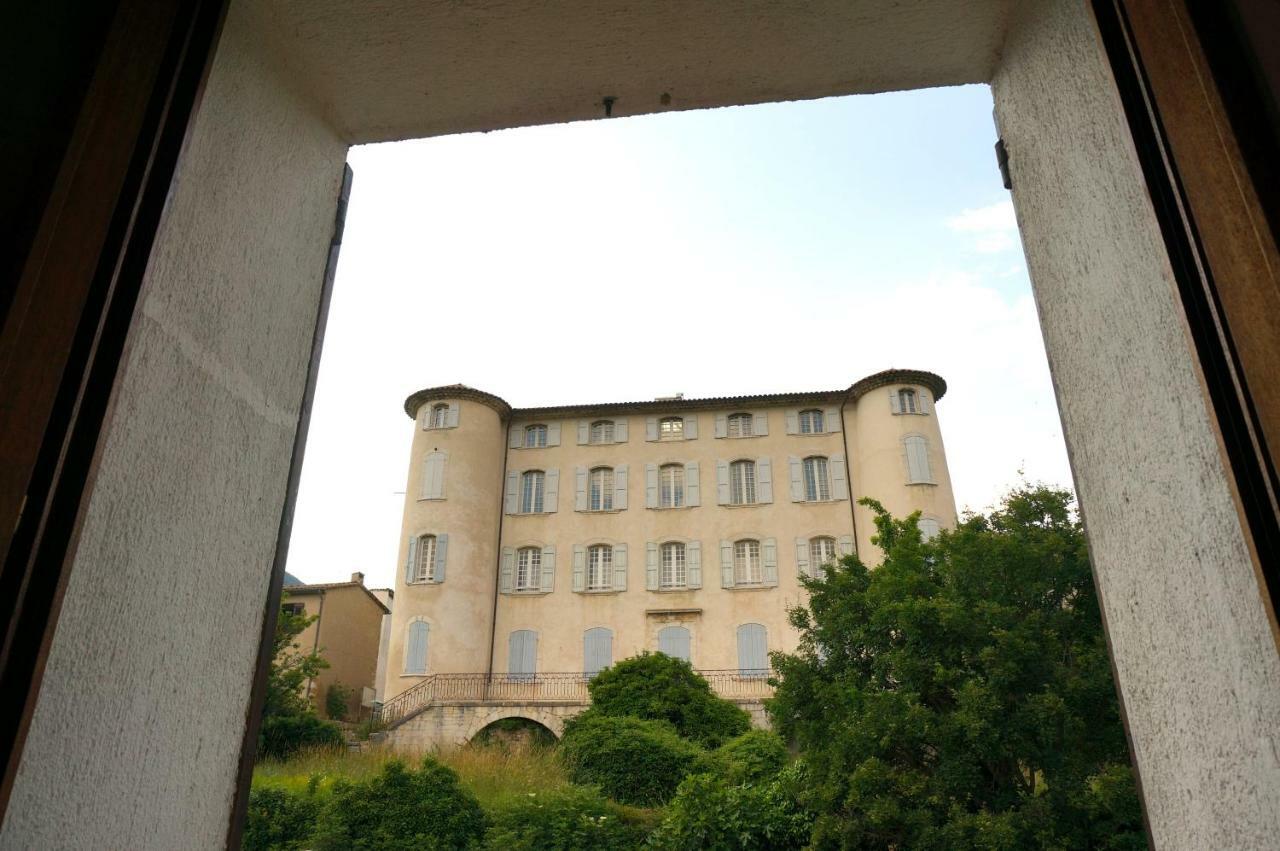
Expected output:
(458, 609)
(347, 635)
(135, 739)
(1192, 649)
(387, 597)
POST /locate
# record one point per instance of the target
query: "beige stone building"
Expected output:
(544, 542)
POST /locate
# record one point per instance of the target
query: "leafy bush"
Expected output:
(633, 760)
(711, 812)
(337, 701)
(279, 820)
(400, 809)
(658, 687)
(755, 756)
(282, 736)
(572, 818)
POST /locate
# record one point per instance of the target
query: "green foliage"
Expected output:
(960, 695)
(632, 760)
(569, 819)
(755, 756)
(658, 687)
(515, 732)
(401, 809)
(279, 820)
(337, 701)
(291, 667)
(282, 736)
(711, 812)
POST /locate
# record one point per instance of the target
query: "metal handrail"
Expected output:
(543, 688)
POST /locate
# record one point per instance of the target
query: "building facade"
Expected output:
(559, 540)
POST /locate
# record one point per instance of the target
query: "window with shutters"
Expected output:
(671, 572)
(532, 491)
(535, 436)
(817, 483)
(522, 655)
(528, 569)
(425, 567)
(822, 551)
(742, 482)
(671, 428)
(601, 431)
(671, 486)
(753, 650)
(415, 649)
(597, 650)
(746, 563)
(674, 642)
(811, 422)
(907, 401)
(599, 568)
(600, 489)
(294, 608)
(917, 449)
(741, 425)
(929, 528)
(439, 416)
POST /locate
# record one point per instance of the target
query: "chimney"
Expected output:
(357, 577)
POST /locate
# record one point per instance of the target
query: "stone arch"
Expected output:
(548, 718)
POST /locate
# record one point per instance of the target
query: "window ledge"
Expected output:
(932, 484)
(594, 591)
(598, 510)
(743, 504)
(740, 436)
(531, 592)
(530, 513)
(415, 676)
(424, 582)
(430, 499)
(670, 507)
(911, 414)
(438, 428)
(751, 588)
(820, 501)
(683, 589)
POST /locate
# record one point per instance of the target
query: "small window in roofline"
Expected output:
(741, 425)
(671, 428)
(535, 436)
(602, 431)
(812, 422)
(440, 415)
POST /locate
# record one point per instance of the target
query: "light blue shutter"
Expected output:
(548, 581)
(753, 653)
(831, 419)
(764, 481)
(691, 428)
(597, 650)
(802, 557)
(506, 577)
(433, 476)
(522, 652)
(411, 559)
(415, 657)
(674, 642)
(650, 485)
(553, 434)
(651, 428)
(895, 404)
(620, 431)
(579, 568)
(722, 425)
(839, 483)
(620, 567)
(769, 552)
(797, 479)
(651, 566)
(793, 422)
(584, 432)
(922, 402)
(442, 550)
(579, 488)
(510, 503)
(515, 437)
(726, 564)
(692, 488)
(845, 545)
(917, 459)
(620, 487)
(551, 493)
(722, 482)
(693, 564)
(759, 424)
(451, 416)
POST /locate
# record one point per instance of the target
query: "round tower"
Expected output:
(896, 452)
(446, 575)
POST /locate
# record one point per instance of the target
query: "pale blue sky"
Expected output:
(742, 250)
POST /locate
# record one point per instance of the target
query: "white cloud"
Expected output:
(993, 227)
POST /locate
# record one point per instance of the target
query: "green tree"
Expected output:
(291, 666)
(960, 695)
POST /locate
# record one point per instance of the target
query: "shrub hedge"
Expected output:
(709, 811)
(753, 757)
(279, 820)
(575, 818)
(632, 760)
(284, 735)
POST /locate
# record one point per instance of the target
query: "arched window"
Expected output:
(671, 570)
(907, 401)
(918, 471)
(671, 428)
(753, 650)
(532, 490)
(746, 563)
(811, 422)
(415, 648)
(602, 431)
(597, 650)
(671, 485)
(599, 567)
(817, 482)
(740, 425)
(929, 528)
(674, 642)
(822, 551)
(742, 482)
(424, 569)
(522, 654)
(535, 436)
(600, 489)
(440, 415)
(528, 569)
